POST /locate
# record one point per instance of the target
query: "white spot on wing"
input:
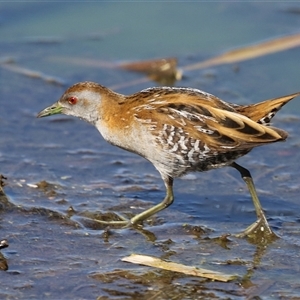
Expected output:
(204, 130)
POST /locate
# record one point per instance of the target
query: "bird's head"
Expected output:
(81, 100)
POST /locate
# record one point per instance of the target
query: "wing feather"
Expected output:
(219, 129)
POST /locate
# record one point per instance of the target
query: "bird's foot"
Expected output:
(259, 231)
(123, 222)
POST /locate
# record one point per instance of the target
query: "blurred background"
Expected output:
(61, 173)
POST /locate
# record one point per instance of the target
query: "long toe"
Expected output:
(123, 223)
(259, 232)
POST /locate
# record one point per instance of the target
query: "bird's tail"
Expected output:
(263, 112)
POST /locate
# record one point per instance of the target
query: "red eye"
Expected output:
(72, 100)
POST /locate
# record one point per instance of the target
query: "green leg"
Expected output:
(261, 226)
(168, 200)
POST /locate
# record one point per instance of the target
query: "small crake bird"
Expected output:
(179, 130)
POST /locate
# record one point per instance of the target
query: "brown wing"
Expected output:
(218, 128)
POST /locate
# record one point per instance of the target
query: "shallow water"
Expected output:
(60, 172)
